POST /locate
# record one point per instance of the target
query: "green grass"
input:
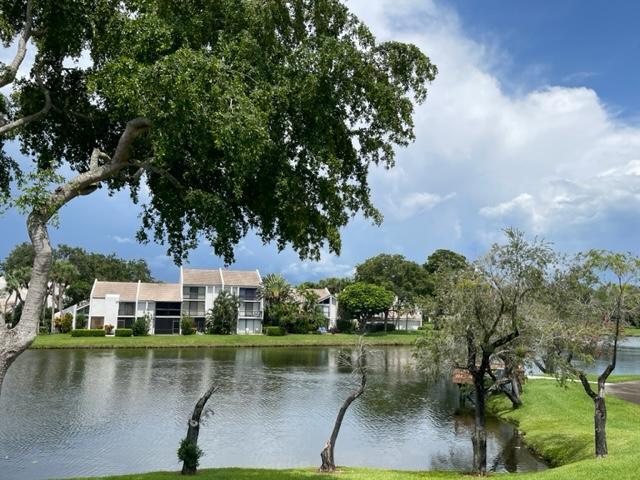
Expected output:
(293, 474)
(592, 377)
(632, 332)
(557, 423)
(211, 341)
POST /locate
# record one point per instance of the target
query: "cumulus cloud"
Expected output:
(545, 159)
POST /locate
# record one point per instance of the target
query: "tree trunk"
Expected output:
(480, 432)
(600, 422)
(14, 341)
(328, 462)
(386, 317)
(516, 390)
(193, 431)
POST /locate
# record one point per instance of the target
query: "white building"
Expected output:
(326, 300)
(164, 304)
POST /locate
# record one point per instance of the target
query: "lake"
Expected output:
(96, 412)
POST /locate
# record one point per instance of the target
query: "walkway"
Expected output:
(629, 391)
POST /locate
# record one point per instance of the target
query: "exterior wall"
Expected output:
(333, 313)
(111, 309)
(147, 308)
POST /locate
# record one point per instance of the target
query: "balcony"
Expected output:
(249, 313)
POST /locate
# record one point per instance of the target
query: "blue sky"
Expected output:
(533, 122)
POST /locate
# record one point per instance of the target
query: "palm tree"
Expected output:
(275, 289)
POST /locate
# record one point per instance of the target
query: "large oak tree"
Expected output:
(235, 114)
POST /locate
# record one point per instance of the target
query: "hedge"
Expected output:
(274, 331)
(124, 332)
(92, 332)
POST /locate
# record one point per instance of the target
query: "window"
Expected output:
(193, 309)
(193, 293)
(97, 322)
(248, 293)
(125, 322)
(250, 309)
(126, 308)
(167, 309)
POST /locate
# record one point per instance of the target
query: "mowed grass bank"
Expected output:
(212, 341)
(632, 332)
(557, 423)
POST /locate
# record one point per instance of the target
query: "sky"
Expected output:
(533, 121)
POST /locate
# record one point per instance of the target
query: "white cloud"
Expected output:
(119, 239)
(415, 202)
(329, 265)
(536, 158)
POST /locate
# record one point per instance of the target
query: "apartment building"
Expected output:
(164, 304)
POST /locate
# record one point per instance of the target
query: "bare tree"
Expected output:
(189, 451)
(357, 361)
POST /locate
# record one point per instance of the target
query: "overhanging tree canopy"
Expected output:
(239, 114)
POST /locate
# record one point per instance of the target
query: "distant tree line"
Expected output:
(72, 275)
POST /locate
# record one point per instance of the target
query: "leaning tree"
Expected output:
(592, 299)
(234, 115)
(486, 306)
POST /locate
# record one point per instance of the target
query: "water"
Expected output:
(93, 412)
(627, 362)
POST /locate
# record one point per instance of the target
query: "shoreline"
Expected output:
(556, 423)
(66, 342)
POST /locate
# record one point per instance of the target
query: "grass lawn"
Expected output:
(557, 422)
(209, 341)
(632, 332)
(614, 378)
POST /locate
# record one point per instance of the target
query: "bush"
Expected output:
(140, 327)
(64, 323)
(274, 331)
(187, 326)
(124, 332)
(81, 320)
(379, 327)
(190, 454)
(223, 317)
(92, 332)
(108, 328)
(345, 326)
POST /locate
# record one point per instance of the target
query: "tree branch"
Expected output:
(133, 129)
(29, 118)
(586, 385)
(11, 71)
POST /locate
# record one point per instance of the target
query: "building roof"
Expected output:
(321, 293)
(241, 278)
(200, 276)
(126, 290)
(160, 292)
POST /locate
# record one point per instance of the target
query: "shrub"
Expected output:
(187, 325)
(379, 327)
(140, 327)
(124, 332)
(64, 323)
(108, 328)
(92, 332)
(274, 331)
(345, 326)
(223, 317)
(189, 453)
(81, 320)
